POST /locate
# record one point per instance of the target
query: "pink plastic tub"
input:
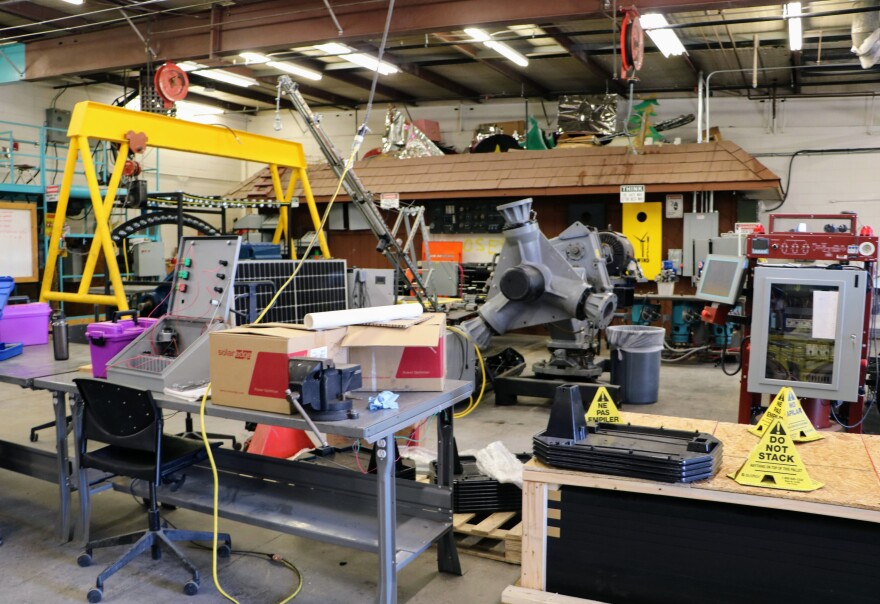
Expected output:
(25, 323)
(108, 338)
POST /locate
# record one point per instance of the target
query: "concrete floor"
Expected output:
(34, 568)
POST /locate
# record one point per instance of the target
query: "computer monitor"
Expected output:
(722, 278)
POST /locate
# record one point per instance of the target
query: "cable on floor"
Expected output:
(275, 558)
(348, 164)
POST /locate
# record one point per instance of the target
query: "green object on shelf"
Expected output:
(535, 137)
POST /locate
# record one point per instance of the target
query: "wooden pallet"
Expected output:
(497, 536)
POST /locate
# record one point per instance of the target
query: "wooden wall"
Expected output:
(554, 214)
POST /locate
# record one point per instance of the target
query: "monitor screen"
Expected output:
(721, 279)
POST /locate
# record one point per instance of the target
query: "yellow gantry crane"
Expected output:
(135, 131)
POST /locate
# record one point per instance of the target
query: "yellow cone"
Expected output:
(775, 463)
(787, 407)
(603, 409)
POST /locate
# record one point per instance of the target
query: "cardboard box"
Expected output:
(249, 364)
(400, 359)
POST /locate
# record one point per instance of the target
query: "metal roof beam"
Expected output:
(414, 69)
(316, 94)
(273, 25)
(132, 83)
(529, 85)
(583, 58)
(37, 13)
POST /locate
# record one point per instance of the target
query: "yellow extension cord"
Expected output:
(215, 514)
(471, 404)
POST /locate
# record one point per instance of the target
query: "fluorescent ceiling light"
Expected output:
(358, 58)
(666, 40)
(253, 57)
(333, 48)
(218, 74)
(478, 35)
(792, 12)
(74, 1)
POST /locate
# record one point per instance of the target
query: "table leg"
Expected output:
(387, 521)
(82, 525)
(59, 405)
(447, 551)
(534, 538)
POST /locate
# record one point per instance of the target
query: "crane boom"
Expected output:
(361, 197)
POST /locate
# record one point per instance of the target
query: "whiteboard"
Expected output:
(18, 241)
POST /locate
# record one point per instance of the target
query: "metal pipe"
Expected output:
(293, 399)
(756, 45)
(772, 18)
(614, 37)
(709, 84)
(138, 34)
(333, 16)
(700, 107)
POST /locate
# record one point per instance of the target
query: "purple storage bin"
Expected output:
(25, 323)
(108, 338)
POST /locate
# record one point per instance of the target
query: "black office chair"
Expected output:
(128, 420)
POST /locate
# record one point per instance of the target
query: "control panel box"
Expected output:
(174, 352)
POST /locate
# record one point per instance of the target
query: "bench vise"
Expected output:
(320, 387)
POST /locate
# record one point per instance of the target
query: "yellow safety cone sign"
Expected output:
(787, 407)
(603, 409)
(775, 463)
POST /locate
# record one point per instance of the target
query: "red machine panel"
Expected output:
(831, 237)
(813, 246)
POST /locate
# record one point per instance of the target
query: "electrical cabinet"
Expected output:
(806, 331)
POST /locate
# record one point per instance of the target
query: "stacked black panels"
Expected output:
(635, 451)
(473, 491)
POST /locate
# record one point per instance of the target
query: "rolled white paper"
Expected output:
(355, 316)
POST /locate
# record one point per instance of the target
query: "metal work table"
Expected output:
(323, 503)
(22, 370)
(370, 425)
(39, 361)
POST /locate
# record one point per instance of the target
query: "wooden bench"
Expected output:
(846, 463)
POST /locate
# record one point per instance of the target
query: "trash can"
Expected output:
(635, 361)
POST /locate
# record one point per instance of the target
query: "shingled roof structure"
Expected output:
(717, 166)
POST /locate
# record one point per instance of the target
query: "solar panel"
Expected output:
(319, 286)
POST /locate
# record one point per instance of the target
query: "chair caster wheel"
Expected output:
(237, 446)
(94, 596)
(224, 551)
(84, 560)
(191, 588)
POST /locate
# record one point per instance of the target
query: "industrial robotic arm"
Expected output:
(562, 283)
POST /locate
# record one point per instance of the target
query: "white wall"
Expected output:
(25, 103)
(829, 183)
(819, 183)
